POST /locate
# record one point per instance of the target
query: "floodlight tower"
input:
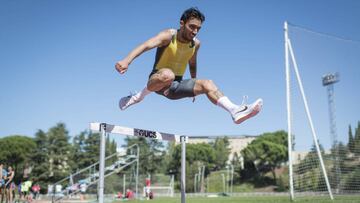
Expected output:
(329, 80)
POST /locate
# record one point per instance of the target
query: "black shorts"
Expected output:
(179, 89)
(9, 185)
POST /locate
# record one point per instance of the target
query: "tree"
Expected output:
(237, 163)
(311, 160)
(151, 155)
(15, 150)
(79, 152)
(40, 159)
(357, 140)
(92, 148)
(351, 143)
(309, 168)
(197, 155)
(265, 154)
(59, 152)
(222, 151)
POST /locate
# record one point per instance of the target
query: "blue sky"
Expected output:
(57, 63)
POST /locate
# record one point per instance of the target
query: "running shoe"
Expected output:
(245, 111)
(127, 101)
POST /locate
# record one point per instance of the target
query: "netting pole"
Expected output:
(102, 162)
(309, 118)
(137, 171)
(287, 70)
(183, 168)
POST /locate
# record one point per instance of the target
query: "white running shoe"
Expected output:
(245, 112)
(127, 101)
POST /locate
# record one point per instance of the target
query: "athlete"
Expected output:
(176, 49)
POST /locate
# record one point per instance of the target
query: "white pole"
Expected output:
(172, 186)
(124, 183)
(183, 167)
(232, 178)
(195, 179)
(203, 180)
(137, 171)
(310, 119)
(227, 179)
(287, 70)
(199, 180)
(223, 177)
(102, 162)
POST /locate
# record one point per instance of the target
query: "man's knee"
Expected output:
(163, 78)
(208, 85)
(166, 75)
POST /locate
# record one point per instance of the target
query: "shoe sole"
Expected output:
(256, 110)
(126, 106)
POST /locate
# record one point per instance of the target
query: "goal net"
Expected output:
(159, 185)
(323, 75)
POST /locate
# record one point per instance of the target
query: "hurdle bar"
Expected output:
(105, 129)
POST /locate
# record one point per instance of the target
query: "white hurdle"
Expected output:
(105, 129)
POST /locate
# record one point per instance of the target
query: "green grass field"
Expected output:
(262, 199)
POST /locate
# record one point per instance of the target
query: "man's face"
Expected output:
(190, 29)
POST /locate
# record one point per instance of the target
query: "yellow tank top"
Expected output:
(175, 56)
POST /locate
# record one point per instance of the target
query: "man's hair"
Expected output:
(192, 12)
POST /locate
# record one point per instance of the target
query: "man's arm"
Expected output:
(193, 60)
(159, 40)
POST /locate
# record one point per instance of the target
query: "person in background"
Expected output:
(129, 194)
(36, 190)
(119, 195)
(10, 185)
(25, 189)
(82, 190)
(20, 192)
(3, 177)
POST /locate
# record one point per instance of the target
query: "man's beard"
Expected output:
(185, 37)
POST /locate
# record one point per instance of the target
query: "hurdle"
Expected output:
(106, 129)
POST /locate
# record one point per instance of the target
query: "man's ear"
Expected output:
(182, 23)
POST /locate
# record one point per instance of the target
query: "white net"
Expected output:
(333, 108)
(160, 185)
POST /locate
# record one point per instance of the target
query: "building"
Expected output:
(236, 143)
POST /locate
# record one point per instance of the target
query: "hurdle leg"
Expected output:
(102, 162)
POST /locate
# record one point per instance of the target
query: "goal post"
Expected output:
(290, 57)
(323, 156)
(159, 191)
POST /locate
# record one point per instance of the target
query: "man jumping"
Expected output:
(176, 49)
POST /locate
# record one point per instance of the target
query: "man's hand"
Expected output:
(122, 66)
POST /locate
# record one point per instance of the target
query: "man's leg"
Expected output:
(238, 113)
(158, 81)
